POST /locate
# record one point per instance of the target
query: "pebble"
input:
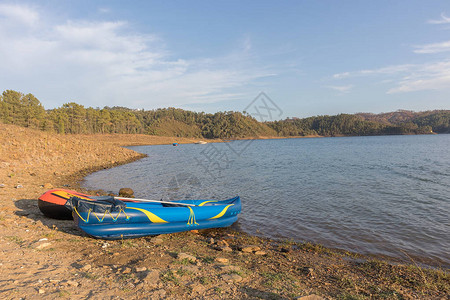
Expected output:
(189, 257)
(41, 291)
(2, 186)
(222, 243)
(249, 249)
(42, 246)
(48, 186)
(232, 277)
(86, 268)
(72, 283)
(158, 294)
(157, 241)
(310, 297)
(140, 285)
(126, 192)
(309, 271)
(151, 278)
(197, 288)
(211, 241)
(224, 249)
(152, 275)
(141, 269)
(126, 271)
(22, 213)
(19, 186)
(260, 253)
(222, 260)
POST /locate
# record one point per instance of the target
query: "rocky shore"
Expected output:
(45, 258)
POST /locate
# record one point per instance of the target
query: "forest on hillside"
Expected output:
(72, 118)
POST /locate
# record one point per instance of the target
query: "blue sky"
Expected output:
(310, 57)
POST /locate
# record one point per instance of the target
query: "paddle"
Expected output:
(155, 201)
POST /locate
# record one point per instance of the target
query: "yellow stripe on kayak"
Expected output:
(203, 203)
(222, 212)
(67, 195)
(151, 216)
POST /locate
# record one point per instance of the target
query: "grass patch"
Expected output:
(74, 240)
(89, 275)
(271, 278)
(288, 242)
(169, 276)
(182, 272)
(280, 282)
(127, 243)
(208, 259)
(348, 296)
(238, 272)
(316, 248)
(205, 280)
(184, 262)
(125, 277)
(15, 239)
(63, 293)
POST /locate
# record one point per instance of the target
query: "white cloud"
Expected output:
(411, 77)
(433, 48)
(433, 76)
(379, 71)
(104, 10)
(443, 20)
(341, 88)
(341, 75)
(100, 63)
(18, 14)
(408, 77)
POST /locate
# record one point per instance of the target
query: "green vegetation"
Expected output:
(352, 125)
(72, 118)
(18, 240)
(167, 276)
(205, 280)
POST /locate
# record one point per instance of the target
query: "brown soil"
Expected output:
(45, 258)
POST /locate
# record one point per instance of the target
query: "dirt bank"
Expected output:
(45, 258)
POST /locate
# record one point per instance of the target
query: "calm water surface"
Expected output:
(375, 195)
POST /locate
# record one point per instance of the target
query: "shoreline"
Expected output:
(41, 257)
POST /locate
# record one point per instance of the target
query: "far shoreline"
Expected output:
(220, 140)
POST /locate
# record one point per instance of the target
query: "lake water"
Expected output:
(383, 195)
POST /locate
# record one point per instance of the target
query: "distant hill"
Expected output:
(396, 117)
(438, 119)
(72, 118)
(399, 122)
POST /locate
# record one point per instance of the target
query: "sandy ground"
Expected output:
(44, 258)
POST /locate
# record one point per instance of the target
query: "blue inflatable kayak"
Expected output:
(110, 218)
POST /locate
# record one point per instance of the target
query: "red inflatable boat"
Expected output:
(52, 202)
